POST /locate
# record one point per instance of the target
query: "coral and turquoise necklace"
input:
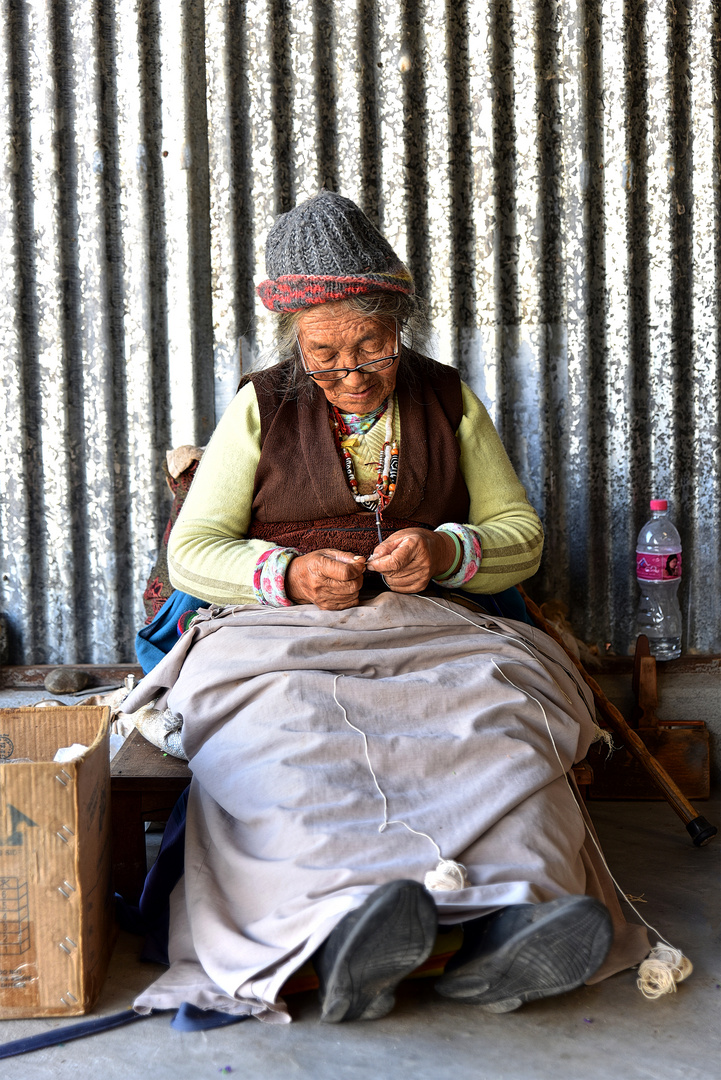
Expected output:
(387, 467)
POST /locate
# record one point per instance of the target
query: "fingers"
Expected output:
(395, 553)
(387, 546)
(335, 604)
(336, 556)
(340, 565)
(332, 579)
(329, 579)
(332, 595)
(405, 559)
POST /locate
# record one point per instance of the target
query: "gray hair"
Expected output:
(408, 311)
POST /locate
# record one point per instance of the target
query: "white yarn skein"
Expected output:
(604, 736)
(448, 876)
(661, 970)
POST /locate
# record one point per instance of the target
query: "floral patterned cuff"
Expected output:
(471, 558)
(269, 576)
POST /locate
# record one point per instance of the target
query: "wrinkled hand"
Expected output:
(409, 558)
(329, 579)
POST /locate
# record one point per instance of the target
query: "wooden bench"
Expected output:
(145, 785)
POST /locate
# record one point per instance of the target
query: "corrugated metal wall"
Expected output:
(549, 171)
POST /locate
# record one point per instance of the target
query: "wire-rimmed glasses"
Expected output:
(336, 374)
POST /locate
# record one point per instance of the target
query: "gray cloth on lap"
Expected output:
(283, 817)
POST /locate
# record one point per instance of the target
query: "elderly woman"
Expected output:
(373, 754)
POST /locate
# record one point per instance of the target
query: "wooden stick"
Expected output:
(699, 829)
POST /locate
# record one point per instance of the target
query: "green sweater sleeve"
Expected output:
(208, 555)
(508, 527)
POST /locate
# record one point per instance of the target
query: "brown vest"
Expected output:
(301, 497)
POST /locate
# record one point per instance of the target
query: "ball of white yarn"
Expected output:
(661, 970)
(448, 876)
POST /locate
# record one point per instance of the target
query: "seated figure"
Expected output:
(380, 742)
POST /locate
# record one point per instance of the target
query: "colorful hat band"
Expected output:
(293, 292)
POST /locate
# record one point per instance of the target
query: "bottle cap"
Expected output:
(659, 504)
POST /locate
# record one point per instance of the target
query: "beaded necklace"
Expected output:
(387, 467)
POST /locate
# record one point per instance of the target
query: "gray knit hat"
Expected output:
(327, 249)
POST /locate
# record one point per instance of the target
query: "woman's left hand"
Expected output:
(411, 557)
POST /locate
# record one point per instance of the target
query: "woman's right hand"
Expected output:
(329, 579)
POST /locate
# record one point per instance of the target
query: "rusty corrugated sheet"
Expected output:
(550, 172)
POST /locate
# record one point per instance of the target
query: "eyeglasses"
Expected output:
(336, 374)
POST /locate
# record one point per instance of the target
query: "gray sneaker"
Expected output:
(528, 951)
(372, 949)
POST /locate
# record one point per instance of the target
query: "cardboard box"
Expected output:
(56, 910)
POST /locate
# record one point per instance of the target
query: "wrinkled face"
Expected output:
(332, 336)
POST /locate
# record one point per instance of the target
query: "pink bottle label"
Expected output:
(658, 567)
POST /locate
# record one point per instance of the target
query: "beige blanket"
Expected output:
(472, 723)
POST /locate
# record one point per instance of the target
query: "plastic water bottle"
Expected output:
(658, 572)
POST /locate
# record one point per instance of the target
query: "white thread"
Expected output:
(661, 970)
(605, 736)
(664, 967)
(508, 637)
(448, 875)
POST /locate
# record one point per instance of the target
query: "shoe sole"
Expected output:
(390, 939)
(550, 956)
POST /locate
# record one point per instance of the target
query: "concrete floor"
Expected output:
(597, 1032)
